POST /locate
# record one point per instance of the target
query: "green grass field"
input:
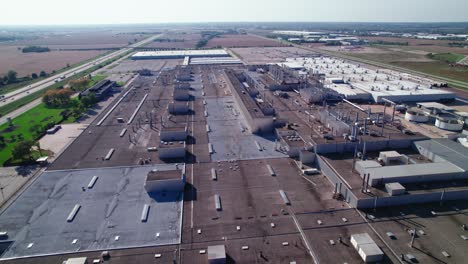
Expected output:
(446, 57)
(40, 114)
(29, 98)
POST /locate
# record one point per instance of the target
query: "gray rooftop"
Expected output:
(109, 217)
(414, 170)
(445, 149)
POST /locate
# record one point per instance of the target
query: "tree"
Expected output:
(36, 130)
(57, 98)
(42, 74)
(34, 75)
(38, 145)
(2, 140)
(89, 100)
(11, 76)
(22, 149)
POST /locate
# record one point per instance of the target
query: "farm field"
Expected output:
(96, 39)
(174, 40)
(232, 41)
(427, 45)
(26, 63)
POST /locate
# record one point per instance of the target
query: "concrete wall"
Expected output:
(411, 199)
(335, 180)
(370, 145)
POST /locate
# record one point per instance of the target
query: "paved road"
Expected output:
(36, 102)
(40, 85)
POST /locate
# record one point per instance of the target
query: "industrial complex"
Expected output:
(211, 156)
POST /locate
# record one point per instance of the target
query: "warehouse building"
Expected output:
(100, 89)
(414, 173)
(75, 211)
(179, 54)
(361, 83)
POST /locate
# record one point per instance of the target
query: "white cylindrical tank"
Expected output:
(449, 124)
(413, 115)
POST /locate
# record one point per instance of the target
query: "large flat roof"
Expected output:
(109, 216)
(179, 53)
(380, 83)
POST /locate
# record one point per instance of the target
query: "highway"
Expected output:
(40, 85)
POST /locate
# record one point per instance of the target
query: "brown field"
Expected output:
(186, 41)
(434, 46)
(26, 63)
(239, 41)
(79, 40)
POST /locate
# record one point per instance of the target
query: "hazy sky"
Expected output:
(27, 12)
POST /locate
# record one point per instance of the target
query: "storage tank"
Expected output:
(416, 115)
(449, 124)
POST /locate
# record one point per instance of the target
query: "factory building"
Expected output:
(257, 112)
(179, 54)
(360, 83)
(283, 78)
(159, 181)
(414, 173)
(214, 61)
(100, 89)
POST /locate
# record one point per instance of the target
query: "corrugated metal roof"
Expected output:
(180, 53)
